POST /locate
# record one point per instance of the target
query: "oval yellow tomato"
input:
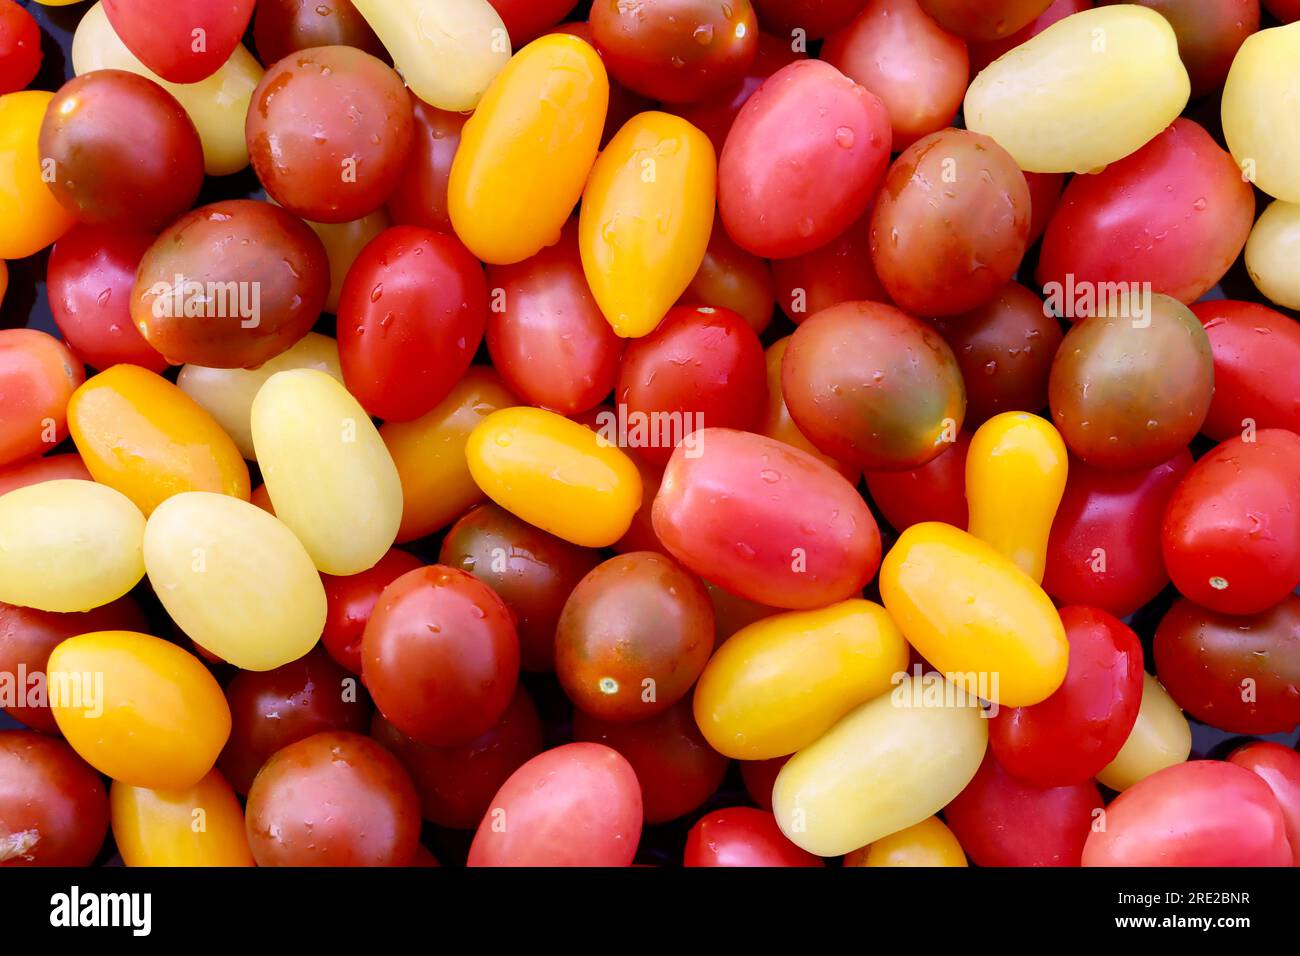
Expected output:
(928, 843)
(201, 825)
(1260, 121)
(30, 217)
(1272, 252)
(1160, 738)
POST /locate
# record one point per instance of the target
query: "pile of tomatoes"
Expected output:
(805, 491)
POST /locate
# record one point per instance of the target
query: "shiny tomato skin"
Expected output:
(1240, 674)
(984, 53)
(1068, 738)
(281, 27)
(1256, 367)
(49, 468)
(350, 600)
(420, 196)
(816, 18)
(1209, 34)
(1044, 196)
(936, 491)
(576, 805)
(53, 806)
(411, 316)
(1105, 547)
(38, 375)
(526, 19)
(731, 278)
(440, 656)
(840, 271)
(1001, 821)
(20, 47)
(1279, 767)
(1232, 527)
(743, 836)
(162, 33)
(1202, 813)
(984, 19)
(760, 777)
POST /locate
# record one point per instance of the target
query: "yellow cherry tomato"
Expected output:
(217, 105)
(1160, 738)
(140, 434)
(234, 579)
(30, 217)
(886, 766)
(1260, 121)
(429, 452)
(777, 422)
(556, 475)
(227, 393)
(1015, 476)
(974, 615)
(780, 683)
(137, 708)
(525, 154)
(1272, 254)
(647, 213)
(329, 474)
(448, 51)
(928, 843)
(1087, 91)
(68, 545)
(343, 242)
(200, 825)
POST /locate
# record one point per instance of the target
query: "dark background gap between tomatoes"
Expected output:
(26, 304)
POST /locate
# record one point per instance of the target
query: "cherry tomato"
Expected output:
(936, 491)
(759, 777)
(840, 271)
(813, 18)
(38, 375)
(420, 196)
(202, 825)
(984, 53)
(30, 217)
(984, 19)
(732, 279)
(411, 316)
(53, 809)
(777, 422)
(1279, 767)
(49, 468)
(1161, 737)
(333, 799)
(623, 103)
(526, 19)
(20, 47)
(1287, 11)
(1209, 34)
(742, 836)
(281, 27)
(928, 843)
(164, 34)
(1045, 195)
(352, 598)
(1256, 364)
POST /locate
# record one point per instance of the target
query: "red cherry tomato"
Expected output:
(165, 34)
(37, 377)
(760, 777)
(813, 19)
(984, 19)
(351, 599)
(936, 491)
(527, 19)
(20, 47)
(411, 316)
(420, 196)
(840, 271)
(1279, 767)
(1256, 367)
(53, 808)
(281, 27)
(49, 468)
(1288, 11)
(742, 836)
(1044, 196)
(731, 278)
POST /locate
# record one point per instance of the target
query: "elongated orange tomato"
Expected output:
(202, 825)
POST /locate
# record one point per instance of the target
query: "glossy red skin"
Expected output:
(760, 777)
(1256, 367)
(675, 51)
(27, 636)
(440, 656)
(816, 18)
(942, 247)
(90, 276)
(742, 836)
(739, 511)
(714, 116)
(281, 27)
(531, 571)
(575, 805)
(161, 33)
(545, 333)
(411, 316)
(420, 196)
(49, 468)
(53, 806)
(1072, 735)
(20, 47)
(896, 51)
(802, 161)
(1120, 513)
(1236, 517)
(676, 767)
(318, 111)
(840, 271)
(1044, 196)
(1279, 767)
(242, 241)
(527, 19)
(868, 384)
(1202, 813)
(1176, 213)
(1005, 350)
(984, 19)
(982, 54)
(1288, 11)
(1001, 821)
(936, 491)
(700, 365)
(126, 154)
(38, 374)
(640, 621)
(351, 599)
(333, 799)
(456, 784)
(641, 534)
(623, 103)
(1210, 32)
(731, 278)
(1209, 662)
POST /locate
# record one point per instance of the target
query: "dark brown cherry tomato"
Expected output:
(732, 279)
(272, 709)
(420, 196)
(984, 53)
(281, 27)
(984, 19)
(760, 777)
(1210, 32)
(742, 836)
(440, 656)
(1105, 545)
(351, 599)
(1232, 527)
(676, 51)
(1240, 674)
(527, 19)
(20, 47)
(531, 571)
(870, 384)
(813, 19)
(840, 271)
(125, 153)
(935, 491)
(38, 374)
(333, 799)
(252, 281)
(53, 807)
(633, 636)
(1279, 767)
(1256, 367)
(456, 784)
(951, 223)
(329, 130)
(1005, 350)
(49, 468)
(675, 766)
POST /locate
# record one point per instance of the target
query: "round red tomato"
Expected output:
(37, 377)
(526, 19)
(732, 279)
(742, 836)
(349, 601)
(20, 47)
(165, 34)
(420, 196)
(1279, 767)
(53, 808)
(936, 491)
(840, 271)
(1256, 367)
